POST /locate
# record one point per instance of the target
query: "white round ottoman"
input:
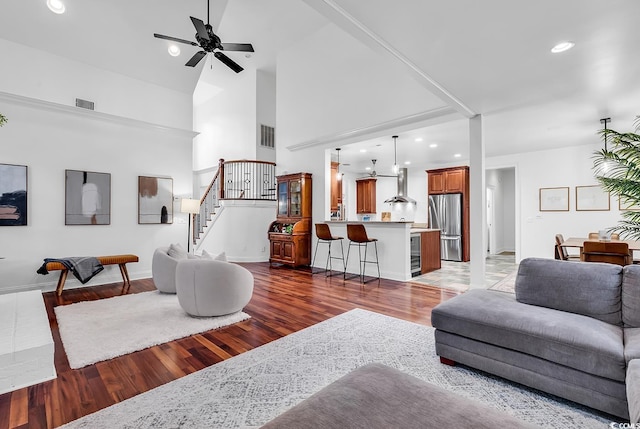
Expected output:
(212, 288)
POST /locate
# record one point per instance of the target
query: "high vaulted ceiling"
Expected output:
(489, 57)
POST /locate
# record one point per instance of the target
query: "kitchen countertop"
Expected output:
(423, 230)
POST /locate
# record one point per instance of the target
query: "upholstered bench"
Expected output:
(120, 260)
(376, 396)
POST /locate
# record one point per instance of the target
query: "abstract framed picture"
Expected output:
(625, 204)
(554, 199)
(13, 195)
(155, 200)
(87, 198)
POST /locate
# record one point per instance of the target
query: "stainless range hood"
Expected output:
(401, 196)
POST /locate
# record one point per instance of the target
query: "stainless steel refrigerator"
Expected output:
(445, 214)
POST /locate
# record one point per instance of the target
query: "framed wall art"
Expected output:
(592, 198)
(155, 200)
(626, 205)
(87, 198)
(13, 195)
(554, 199)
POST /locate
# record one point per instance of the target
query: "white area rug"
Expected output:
(250, 389)
(93, 331)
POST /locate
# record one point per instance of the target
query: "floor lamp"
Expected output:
(190, 206)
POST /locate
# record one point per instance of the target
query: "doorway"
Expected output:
(501, 210)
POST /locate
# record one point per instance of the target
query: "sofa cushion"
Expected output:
(376, 396)
(631, 344)
(633, 390)
(590, 289)
(569, 339)
(631, 296)
(176, 251)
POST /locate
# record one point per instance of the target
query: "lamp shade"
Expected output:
(188, 205)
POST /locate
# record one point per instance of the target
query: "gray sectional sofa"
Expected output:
(572, 329)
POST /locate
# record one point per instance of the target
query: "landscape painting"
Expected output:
(87, 198)
(155, 199)
(13, 195)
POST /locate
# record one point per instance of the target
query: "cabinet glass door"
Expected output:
(282, 198)
(295, 198)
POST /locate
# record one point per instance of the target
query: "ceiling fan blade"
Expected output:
(175, 39)
(200, 28)
(228, 62)
(196, 59)
(244, 47)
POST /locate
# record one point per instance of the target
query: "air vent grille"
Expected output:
(267, 136)
(85, 104)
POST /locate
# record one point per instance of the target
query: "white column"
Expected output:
(478, 203)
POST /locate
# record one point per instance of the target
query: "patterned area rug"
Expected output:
(507, 284)
(252, 388)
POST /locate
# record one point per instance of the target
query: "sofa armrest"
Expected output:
(633, 390)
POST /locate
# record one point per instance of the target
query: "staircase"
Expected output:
(242, 183)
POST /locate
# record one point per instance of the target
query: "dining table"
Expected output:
(579, 243)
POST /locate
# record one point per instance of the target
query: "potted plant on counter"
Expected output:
(3, 119)
(617, 168)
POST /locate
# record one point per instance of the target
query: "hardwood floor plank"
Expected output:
(284, 301)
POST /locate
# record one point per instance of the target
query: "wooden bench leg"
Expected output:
(125, 276)
(61, 280)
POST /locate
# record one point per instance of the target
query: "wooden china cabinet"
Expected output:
(290, 233)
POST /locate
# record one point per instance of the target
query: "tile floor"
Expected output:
(455, 275)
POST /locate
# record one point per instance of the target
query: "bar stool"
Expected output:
(357, 235)
(324, 236)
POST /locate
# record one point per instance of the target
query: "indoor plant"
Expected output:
(617, 168)
(3, 119)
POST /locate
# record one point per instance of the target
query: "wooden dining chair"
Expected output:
(607, 251)
(594, 236)
(561, 252)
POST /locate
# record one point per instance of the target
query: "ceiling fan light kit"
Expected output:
(209, 42)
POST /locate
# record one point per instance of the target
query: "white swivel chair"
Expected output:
(163, 270)
(212, 288)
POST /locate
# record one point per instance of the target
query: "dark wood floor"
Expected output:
(284, 301)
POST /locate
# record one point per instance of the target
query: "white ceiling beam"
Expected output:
(340, 17)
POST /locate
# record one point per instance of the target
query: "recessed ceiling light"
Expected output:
(174, 50)
(432, 145)
(407, 162)
(363, 150)
(562, 46)
(56, 6)
(419, 139)
(457, 155)
(367, 168)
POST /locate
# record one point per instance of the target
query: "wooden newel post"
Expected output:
(221, 176)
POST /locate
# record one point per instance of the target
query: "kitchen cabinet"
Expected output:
(290, 233)
(430, 251)
(366, 196)
(448, 181)
(336, 187)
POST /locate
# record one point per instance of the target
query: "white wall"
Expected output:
(226, 121)
(266, 112)
(564, 167)
(37, 74)
(50, 138)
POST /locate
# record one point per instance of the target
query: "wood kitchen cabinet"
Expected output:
(448, 181)
(430, 251)
(290, 233)
(454, 180)
(365, 196)
(336, 187)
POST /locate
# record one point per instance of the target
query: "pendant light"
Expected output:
(338, 174)
(395, 167)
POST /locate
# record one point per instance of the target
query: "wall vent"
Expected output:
(85, 104)
(267, 136)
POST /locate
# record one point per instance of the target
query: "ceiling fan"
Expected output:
(373, 173)
(210, 42)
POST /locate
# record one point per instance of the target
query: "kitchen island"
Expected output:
(394, 252)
